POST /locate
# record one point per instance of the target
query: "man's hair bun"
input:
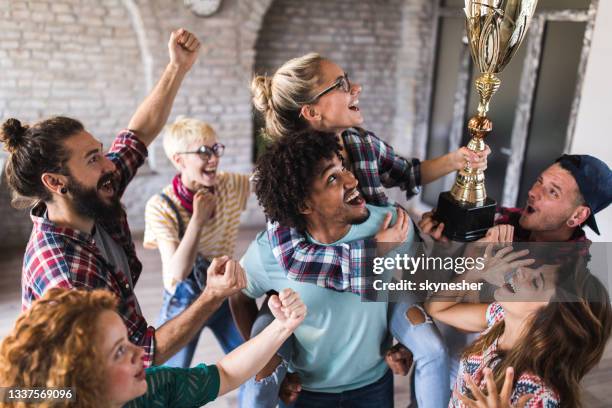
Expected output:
(13, 134)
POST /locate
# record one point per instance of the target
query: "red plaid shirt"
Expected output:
(64, 257)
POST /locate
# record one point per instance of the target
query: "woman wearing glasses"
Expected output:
(194, 219)
(312, 92)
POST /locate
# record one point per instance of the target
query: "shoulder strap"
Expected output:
(181, 225)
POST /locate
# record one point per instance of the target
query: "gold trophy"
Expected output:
(495, 30)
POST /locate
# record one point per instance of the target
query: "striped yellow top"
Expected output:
(218, 237)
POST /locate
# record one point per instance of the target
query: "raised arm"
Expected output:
(470, 317)
(178, 258)
(248, 359)
(394, 170)
(153, 112)
(451, 308)
(224, 278)
(244, 311)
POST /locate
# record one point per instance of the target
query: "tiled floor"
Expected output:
(596, 385)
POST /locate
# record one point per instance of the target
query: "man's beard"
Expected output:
(88, 203)
(544, 222)
(359, 219)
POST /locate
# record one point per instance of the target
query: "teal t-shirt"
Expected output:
(170, 387)
(338, 346)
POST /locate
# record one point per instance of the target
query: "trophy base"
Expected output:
(462, 221)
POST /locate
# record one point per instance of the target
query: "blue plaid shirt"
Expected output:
(344, 267)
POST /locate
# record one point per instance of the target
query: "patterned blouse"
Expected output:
(543, 395)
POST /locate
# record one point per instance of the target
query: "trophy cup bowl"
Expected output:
(495, 30)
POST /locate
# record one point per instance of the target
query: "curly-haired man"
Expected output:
(302, 183)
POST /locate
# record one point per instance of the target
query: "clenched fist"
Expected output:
(288, 308)
(204, 205)
(224, 277)
(183, 47)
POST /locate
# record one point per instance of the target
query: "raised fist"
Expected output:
(288, 308)
(183, 47)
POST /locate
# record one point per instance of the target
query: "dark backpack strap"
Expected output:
(181, 225)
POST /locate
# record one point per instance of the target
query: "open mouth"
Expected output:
(354, 106)
(107, 184)
(529, 210)
(210, 172)
(509, 285)
(354, 198)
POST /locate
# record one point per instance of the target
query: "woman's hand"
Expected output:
(476, 160)
(204, 205)
(492, 399)
(503, 262)
(288, 308)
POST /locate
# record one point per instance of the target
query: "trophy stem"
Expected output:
(469, 185)
(487, 85)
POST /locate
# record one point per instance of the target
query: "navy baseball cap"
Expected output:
(594, 180)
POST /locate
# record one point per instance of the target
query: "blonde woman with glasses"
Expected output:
(193, 219)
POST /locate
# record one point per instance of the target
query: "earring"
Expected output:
(63, 190)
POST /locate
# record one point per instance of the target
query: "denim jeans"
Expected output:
(431, 383)
(456, 341)
(264, 393)
(220, 323)
(376, 395)
(431, 360)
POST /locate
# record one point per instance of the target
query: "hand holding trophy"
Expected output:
(495, 30)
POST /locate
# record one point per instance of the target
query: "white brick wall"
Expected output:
(83, 58)
(57, 59)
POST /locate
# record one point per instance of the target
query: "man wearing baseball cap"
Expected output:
(566, 196)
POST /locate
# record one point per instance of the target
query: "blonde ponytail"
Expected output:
(280, 97)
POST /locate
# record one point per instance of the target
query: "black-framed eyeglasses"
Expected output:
(342, 83)
(206, 152)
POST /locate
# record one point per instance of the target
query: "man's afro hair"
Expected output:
(285, 173)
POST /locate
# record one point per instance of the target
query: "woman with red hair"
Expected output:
(76, 339)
